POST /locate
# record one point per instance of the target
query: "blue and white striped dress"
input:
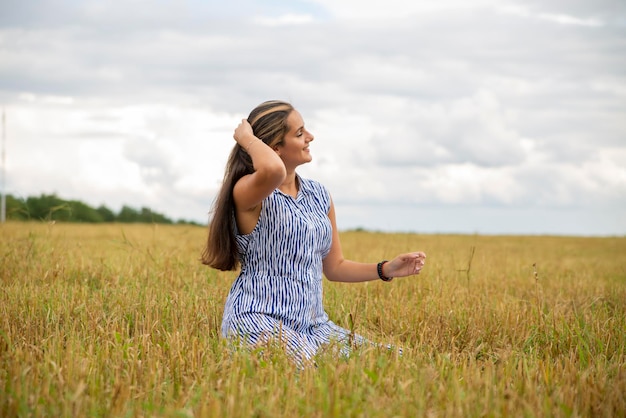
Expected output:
(278, 293)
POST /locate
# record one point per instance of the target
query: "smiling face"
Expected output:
(294, 149)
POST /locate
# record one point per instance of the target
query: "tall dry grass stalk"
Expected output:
(123, 320)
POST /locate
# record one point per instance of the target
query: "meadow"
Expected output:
(123, 320)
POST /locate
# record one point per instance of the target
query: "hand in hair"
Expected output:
(243, 134)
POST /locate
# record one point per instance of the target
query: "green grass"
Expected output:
(123, 320)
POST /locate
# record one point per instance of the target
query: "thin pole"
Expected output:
(3, 203)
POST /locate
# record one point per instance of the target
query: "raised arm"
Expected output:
(251, 189)
(338, 269)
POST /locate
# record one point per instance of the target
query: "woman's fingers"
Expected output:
(415, 262)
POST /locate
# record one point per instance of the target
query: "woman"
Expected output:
(281, 229)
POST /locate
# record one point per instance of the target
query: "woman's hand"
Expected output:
(244, 134)
(405, 265)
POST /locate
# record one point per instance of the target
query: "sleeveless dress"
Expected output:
(278, 293)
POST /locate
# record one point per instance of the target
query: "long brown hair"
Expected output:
(269, 124)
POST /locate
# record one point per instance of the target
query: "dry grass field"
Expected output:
(123, 320)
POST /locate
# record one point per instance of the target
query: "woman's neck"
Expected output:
(290, 186)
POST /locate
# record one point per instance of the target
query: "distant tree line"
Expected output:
(50, 207)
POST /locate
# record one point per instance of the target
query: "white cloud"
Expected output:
(287, 19)
(371, 9)
(570, 20)
(559, 18)
(489, 105)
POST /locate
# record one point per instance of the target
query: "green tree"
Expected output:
(48, 207)
(148, 216)
(80, 212)
(16, 209)
(127, 214)
(106, 213)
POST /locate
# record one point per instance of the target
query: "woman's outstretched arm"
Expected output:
(338, 269)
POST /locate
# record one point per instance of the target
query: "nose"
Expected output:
(309, 136)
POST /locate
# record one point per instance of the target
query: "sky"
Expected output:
(455, 116)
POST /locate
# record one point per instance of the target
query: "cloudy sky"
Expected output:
(471, 116)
